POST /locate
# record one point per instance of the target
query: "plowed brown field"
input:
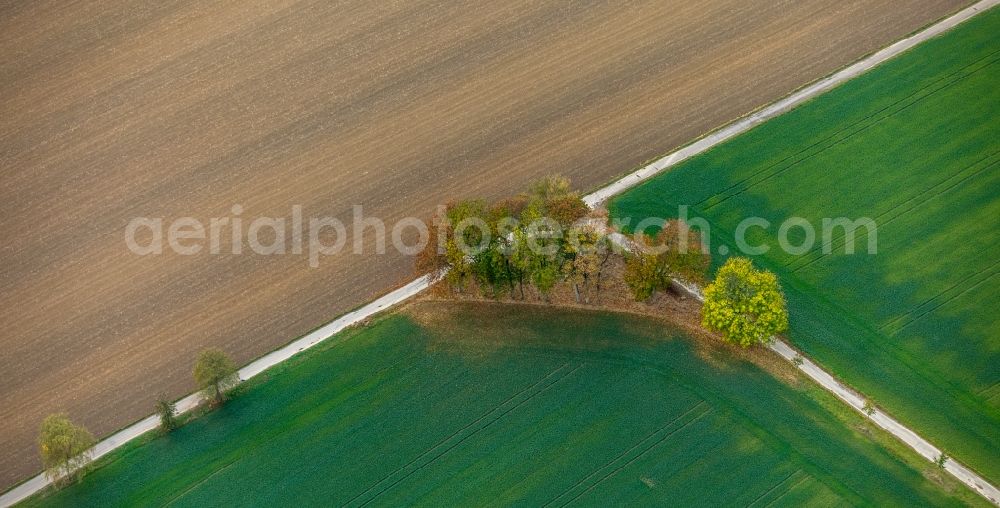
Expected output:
(113, 109)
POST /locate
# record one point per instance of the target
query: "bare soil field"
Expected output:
(111, 110)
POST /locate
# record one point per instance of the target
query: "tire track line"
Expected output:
(785, 493)
(626, 452)
(473, 433)
(903, 212)
(991, 397)
(841, 130)
(986, 390)
(935, 297)
(916, 196)
(845, 138)
(453, 434)
(639, 456)
(776, 485)
(837, 243)
(914, 320)
(174, 499)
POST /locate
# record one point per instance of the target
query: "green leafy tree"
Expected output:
(505, 233)
(215, 373)
(494, 267)
(675, 251)
(521, 258)
(464, 237)
(540, 259)
(683, 254)
(459, 264)
(167, 411)
(491, 269)
(65, 448)
(643, 274)
(541, 248)
(523, 243)
(463, 211)
(744, 304)
(545, 276)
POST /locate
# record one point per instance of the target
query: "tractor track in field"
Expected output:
(779, 484)
(646, 450)
(863, 127)
(499, 407)
(628, 450)
(836, 244)
(957, 284)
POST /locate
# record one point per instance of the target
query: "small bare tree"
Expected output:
(868, 408)
(942, 460)
(587, 252)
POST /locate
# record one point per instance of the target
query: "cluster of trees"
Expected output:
(543, 237)
(536, 239)
(744, 304)
(675, 252)
(66, 447)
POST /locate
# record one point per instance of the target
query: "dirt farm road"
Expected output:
(114, 109)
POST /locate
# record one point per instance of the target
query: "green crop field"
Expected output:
(458, 404)
(914, 145)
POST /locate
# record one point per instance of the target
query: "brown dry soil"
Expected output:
(114, 109)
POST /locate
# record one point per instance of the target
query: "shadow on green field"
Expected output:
(914, 145)
(468, 404)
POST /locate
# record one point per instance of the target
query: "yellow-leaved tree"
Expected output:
(744, 304)
(65, 447)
